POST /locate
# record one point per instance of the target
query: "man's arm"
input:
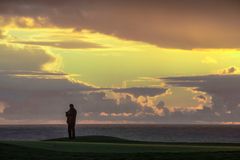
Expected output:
(75, 113)
(67, 114)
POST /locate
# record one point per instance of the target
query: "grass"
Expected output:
(101, 147)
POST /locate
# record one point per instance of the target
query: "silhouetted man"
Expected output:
(71, 121)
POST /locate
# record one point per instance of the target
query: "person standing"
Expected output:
(71, 121)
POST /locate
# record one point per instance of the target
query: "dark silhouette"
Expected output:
(71, 121)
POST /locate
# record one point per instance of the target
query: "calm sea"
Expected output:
(160, 133)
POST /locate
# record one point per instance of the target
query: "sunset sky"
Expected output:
(128, 61)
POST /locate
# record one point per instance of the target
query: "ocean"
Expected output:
(157, 133)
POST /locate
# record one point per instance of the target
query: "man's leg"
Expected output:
(69, 131)
(73, 131)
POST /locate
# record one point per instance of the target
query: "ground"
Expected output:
(108, 148)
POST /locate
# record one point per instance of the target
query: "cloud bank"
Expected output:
(182, 24)
(225, 92)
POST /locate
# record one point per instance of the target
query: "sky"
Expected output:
(129, 61)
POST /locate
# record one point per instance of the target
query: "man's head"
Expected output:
(71, 105)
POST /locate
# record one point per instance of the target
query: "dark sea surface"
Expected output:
(160, 133)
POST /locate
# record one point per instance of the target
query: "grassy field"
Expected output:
(99, 147)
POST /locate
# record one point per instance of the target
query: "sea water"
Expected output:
(157, 133)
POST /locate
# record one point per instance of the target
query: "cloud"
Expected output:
(230, 70)
(146, 98)
(51, 105)
(169, 24)
(97, 102)
(24, 21)
(27, 59)
(31, 73)
(141, 91)
(27, 91)
(224, 90)
(30, 94)
(23, 68)
(48, 104)
(62, 44)
(159, 107)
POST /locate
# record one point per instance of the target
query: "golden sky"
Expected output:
(106, 60)
(118, 55)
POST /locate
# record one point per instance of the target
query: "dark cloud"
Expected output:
(47, 100)
(33, 73)
(97, 103)
(225, 92)
(27, 91)
(62, 44)
(21, 69)
(28, 62)
(40, 83)
(51, 104)
(27, 59)
(141, 91)
(230, 70)
(183, 24)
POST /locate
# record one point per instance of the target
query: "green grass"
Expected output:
(100, 147)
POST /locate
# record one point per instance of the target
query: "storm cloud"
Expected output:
(62, 44)
(185, 24)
